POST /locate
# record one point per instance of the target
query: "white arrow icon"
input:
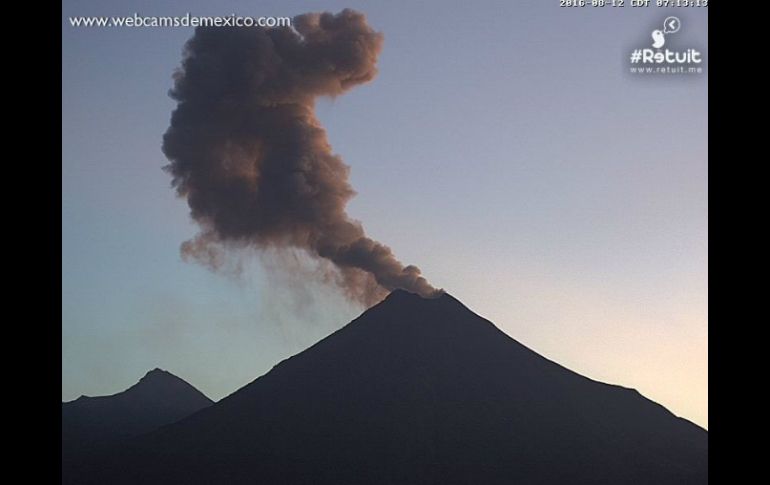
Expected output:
(671, 25)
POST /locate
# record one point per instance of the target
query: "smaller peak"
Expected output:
(159, 382)
(157, 373)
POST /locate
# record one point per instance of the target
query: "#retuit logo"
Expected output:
(659, 60)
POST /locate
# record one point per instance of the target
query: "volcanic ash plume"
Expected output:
(252, 159)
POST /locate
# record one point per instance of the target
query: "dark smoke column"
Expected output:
(252, 159)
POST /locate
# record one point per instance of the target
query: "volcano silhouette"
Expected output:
(93, 424)
(418, 391)
(158, 398)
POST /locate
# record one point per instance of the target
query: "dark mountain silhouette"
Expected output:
(419, 391)
(92, 424)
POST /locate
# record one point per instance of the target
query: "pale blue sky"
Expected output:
(503, 148)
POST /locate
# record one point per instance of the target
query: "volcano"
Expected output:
(92, 424)
(418, 391)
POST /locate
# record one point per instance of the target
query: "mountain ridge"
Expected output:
(91, 424)
(152, 376)
(420, 390)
